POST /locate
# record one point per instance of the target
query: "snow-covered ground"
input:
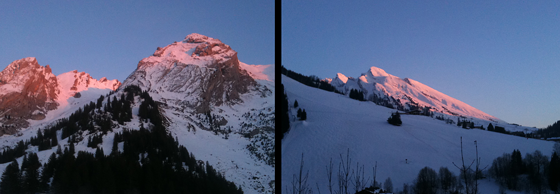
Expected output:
(336, 123)
(228, 156)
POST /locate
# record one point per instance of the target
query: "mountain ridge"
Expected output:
(29, 90)
(405, 94)
(221, 109)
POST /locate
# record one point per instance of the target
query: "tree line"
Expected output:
(534, 173)
(312, 81)
(151, 160)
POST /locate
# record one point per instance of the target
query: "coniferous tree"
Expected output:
(48, 171)
(554, 173)
(284, 111)
(72, 150)
(500, 129)
(11, 179)
(296, 104)
(39, 136)
(100, 102)
(58, 150)
(303, 115)
(115, 148)
(30, 174)
(490, 127)
(517, 163)
(395, 119)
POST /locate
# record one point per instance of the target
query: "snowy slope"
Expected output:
(230, 156)
(220, 109)
(336, 123)
(73, 81)
(378, 84)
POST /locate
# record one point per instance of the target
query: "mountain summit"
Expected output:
(194, 92)
(220, 108)
(29, 90)
(404, 94)
(198, 66)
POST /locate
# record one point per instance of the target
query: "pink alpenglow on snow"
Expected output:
(377, 83)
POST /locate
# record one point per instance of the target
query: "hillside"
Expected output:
(193, 94)
(405, 94)
(336, 123)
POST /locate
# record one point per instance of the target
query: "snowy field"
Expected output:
(336, 123)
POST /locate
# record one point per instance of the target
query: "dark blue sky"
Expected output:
(109, 38)
(502, 57)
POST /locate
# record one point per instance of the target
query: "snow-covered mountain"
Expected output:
(405, 94)
(337, 125)
(220, 109)
(199, 67)
(28, 91)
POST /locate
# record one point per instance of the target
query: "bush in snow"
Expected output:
(301, 114)
(395, 119)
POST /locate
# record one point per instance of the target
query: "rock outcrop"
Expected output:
(198, 66)
(29, 90)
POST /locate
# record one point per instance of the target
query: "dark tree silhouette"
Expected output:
(395, 119)
(11, 179)
(426, 182)
(490, 127)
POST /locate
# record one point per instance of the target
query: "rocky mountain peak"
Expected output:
(27, 91)
(405, 94)
(198, 66)
(196, 38)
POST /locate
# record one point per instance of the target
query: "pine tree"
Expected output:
(48, 171)
(490, 127)
(11, 179)
(39, 136)
(72, 150)
(100, 102)
(554, 173)
(58, 150)
(284, 111)
(303, 115)
(31, 174)
(395, 119)
(115, 148)
(296, 104)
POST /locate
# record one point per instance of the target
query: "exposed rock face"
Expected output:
(198, 66)
(228, 80)
(75, 81)
(200, 84)
(27, 90)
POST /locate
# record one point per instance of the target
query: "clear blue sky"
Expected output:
(109, 38)
(502, 57)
